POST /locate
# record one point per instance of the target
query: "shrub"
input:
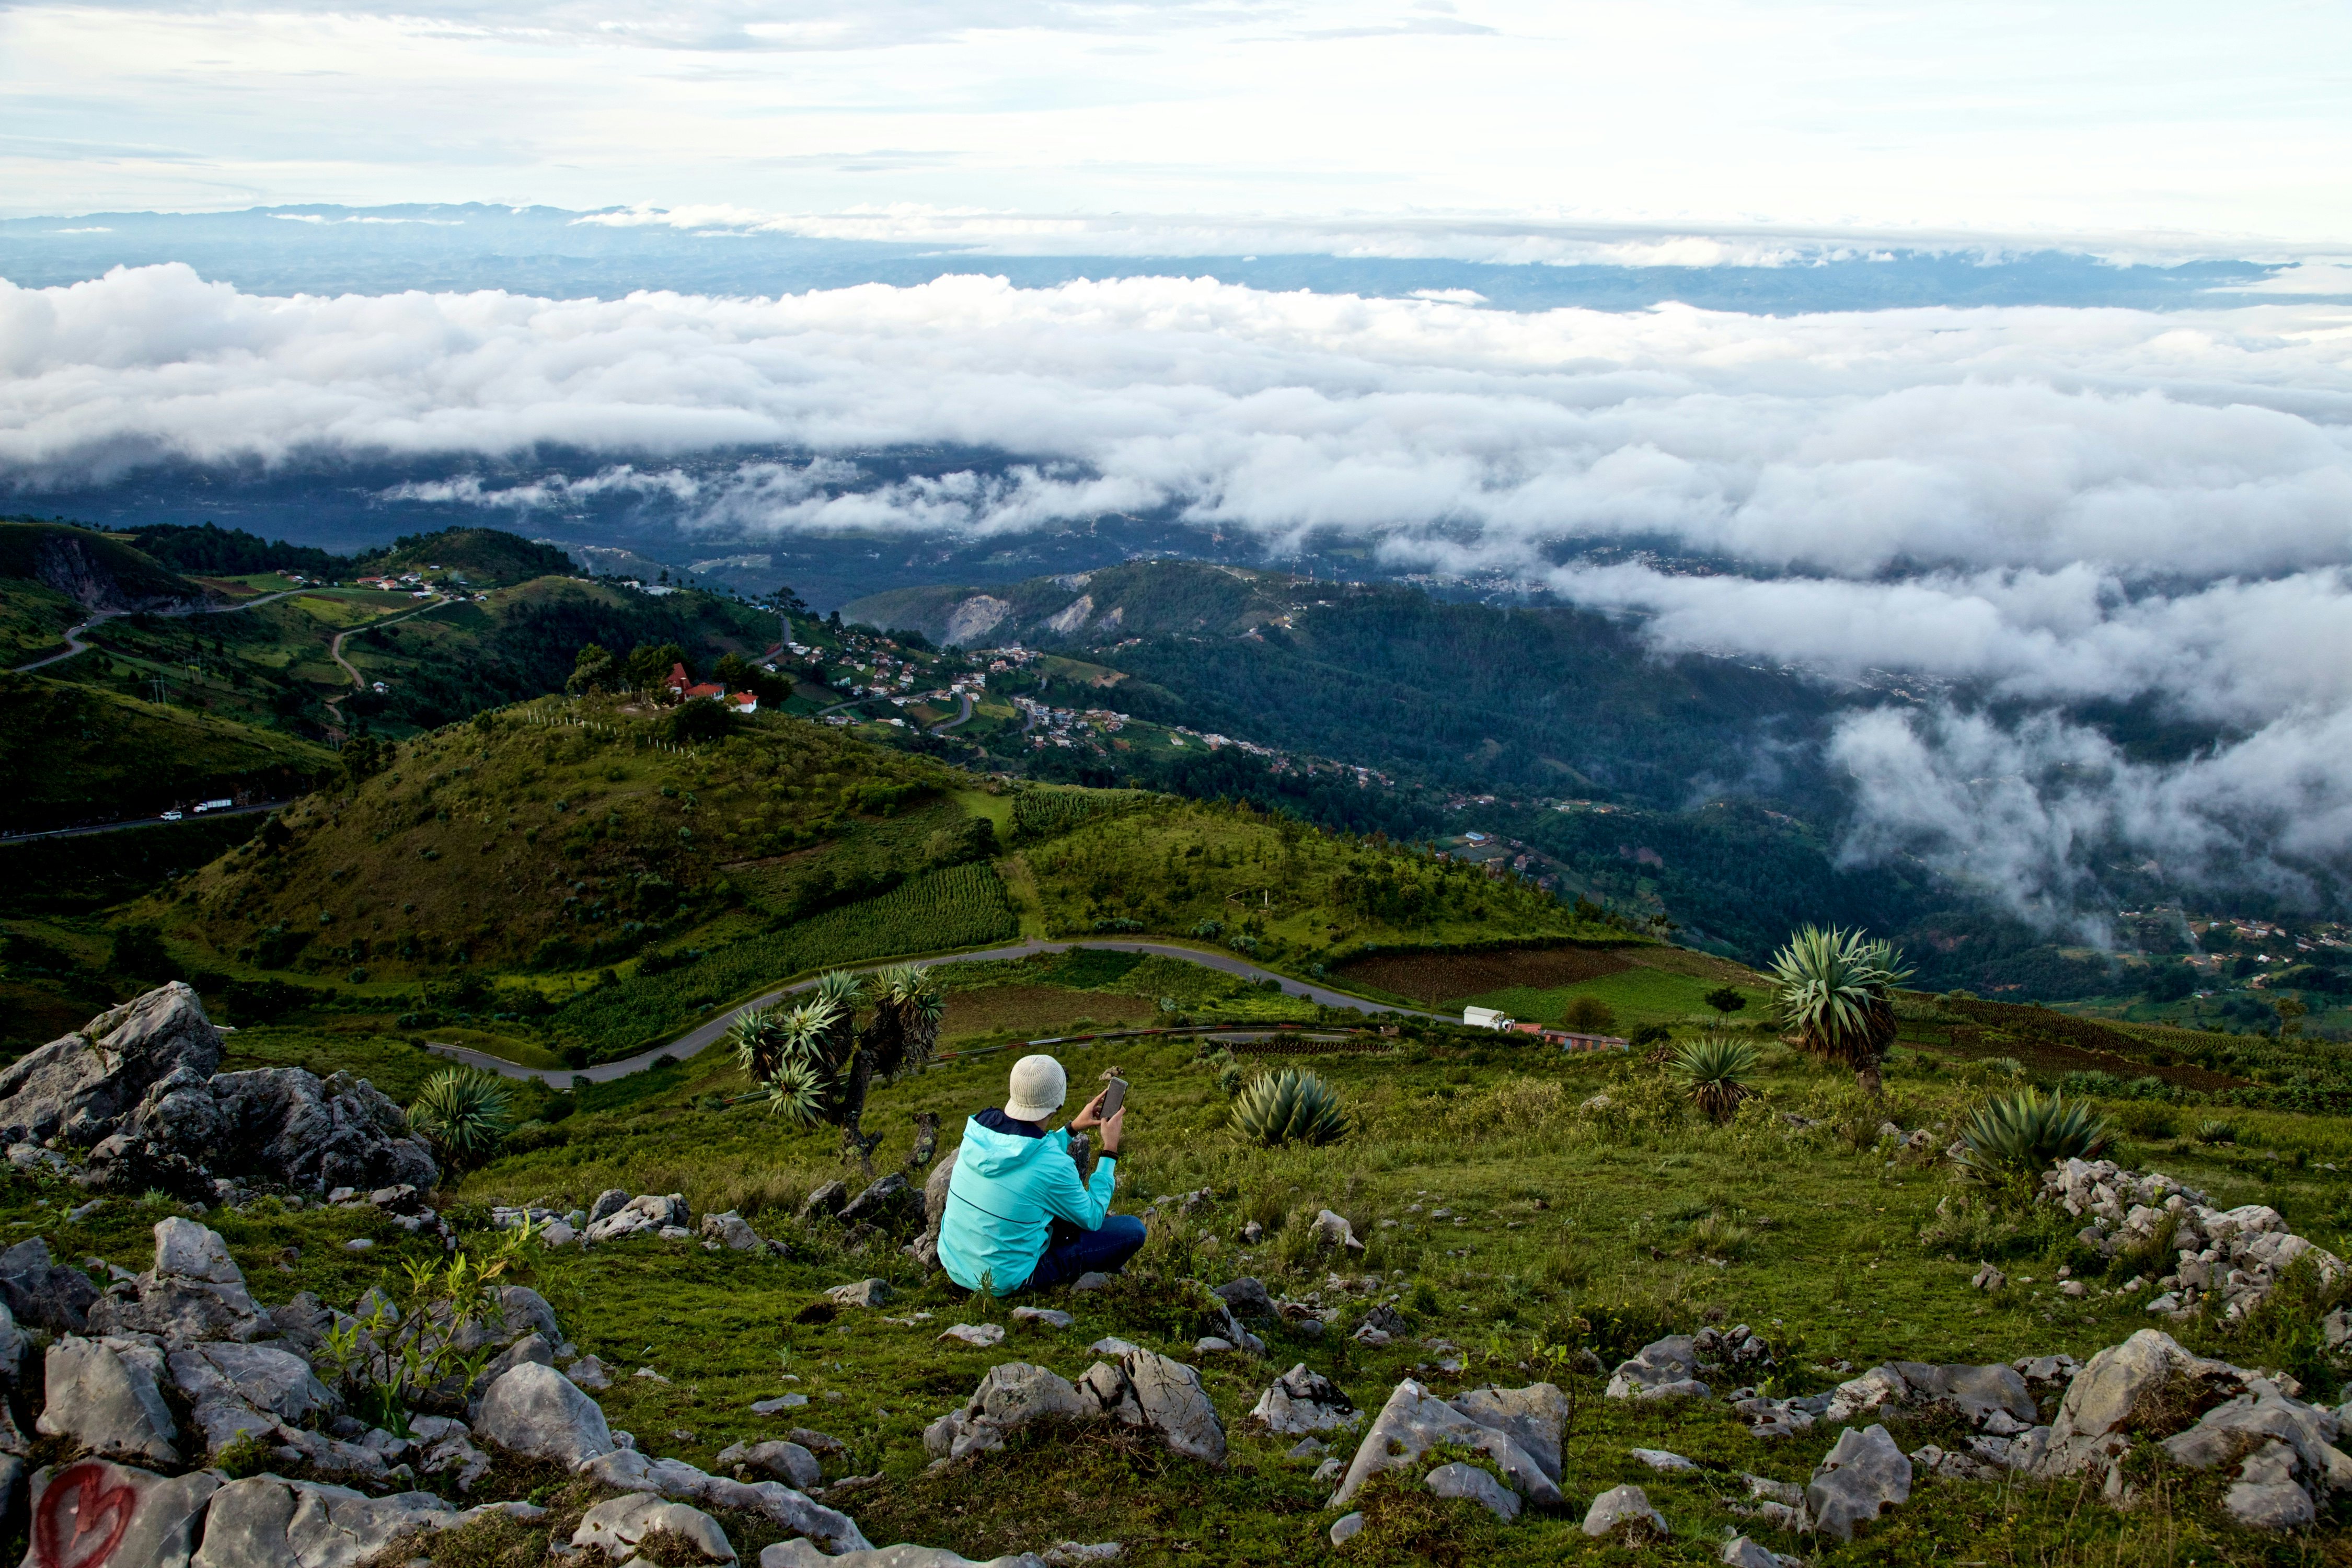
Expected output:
(1588, 1016)
(2215, 1132)
(2019, 1136)
(1714, 1072)
(1289, 1107)
(464, 1113)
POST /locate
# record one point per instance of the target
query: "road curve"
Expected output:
(143, 822)
(704, 1035)
(74, 644)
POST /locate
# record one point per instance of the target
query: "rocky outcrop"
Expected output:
(194, 1291)
(627, 1470)
(1300, 1402)
(284, 1125)
(538, 1412)
(267, 1522)
(39, 1291)
(82, 1087)
(1413, 1421)
(1145, 1390)
(161, 1518)
(1862, 1476)
(650, 1213)
(2238, 1254)
(103, 1394)
(616, 1525)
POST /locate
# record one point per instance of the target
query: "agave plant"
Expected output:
(1833, 990)
(2216, 1132)
(1289, 1107)
(464, 1113)
(2020, 1135)
(1715, 1072)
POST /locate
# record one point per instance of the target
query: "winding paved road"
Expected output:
(704, 1035)
(143, 822)
(74, 644)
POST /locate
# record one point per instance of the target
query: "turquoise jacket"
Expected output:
(1007, 1190)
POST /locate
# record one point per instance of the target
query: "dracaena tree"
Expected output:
(818, 1065)
(1835, 990)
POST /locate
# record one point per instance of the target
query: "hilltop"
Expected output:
(476, 557)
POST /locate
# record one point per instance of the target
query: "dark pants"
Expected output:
(1070, 1252)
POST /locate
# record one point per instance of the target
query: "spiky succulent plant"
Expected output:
(464, 1113)
(2016, 1137)
(1289, 1107)
(1714, 1071)
(817, 1064)
(1833, 989)
(2215, 1132)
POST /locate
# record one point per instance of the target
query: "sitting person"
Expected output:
(1017, 1216)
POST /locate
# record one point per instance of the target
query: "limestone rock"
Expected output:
(1008, 1398)
(731, 1231)
(981, 1336)
(1662, 1460)
(2265, 1496)
(628, 1470)
(617, 1524)
(108, 1402)
(536, 1411)
(1333, 1230)
(651, 1213)
(607, 1202)
(81, 1087)
(37, 1292)
(779, 1461)
(1861, 1478)
(824, 1202)
(267, 1522)
(1175, 1407)
(2226, 1433)
(264, 1377)
(1534, 1417)
(1413, 1421)
(1042, 1317)
(1303, 1401)
(924, 1248)
(1624, 1507)
(1460, 1481)
(283, 1124)
(1741, 1552)
(162, 1516)
(890, 1204)
(862, 1293)
(194, 1291)
(1247, 1297)
(1344, 1528)
(1669, 1365)
(2107, 1396)
(590, 1374)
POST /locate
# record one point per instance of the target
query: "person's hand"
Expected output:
(1091, 1116)
(1110, 1131)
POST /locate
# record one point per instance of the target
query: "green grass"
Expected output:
(1638, 996)
(1578, 1230)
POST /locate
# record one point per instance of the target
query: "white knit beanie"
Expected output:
(1039, 1088)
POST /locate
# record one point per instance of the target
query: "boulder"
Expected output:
(1741, 1552)
(279, 1124)
(1247, 1297)
(158, 1519)
(786, 1462)
(861, 1293)
(37, 1292)
(824, 1202)
(1861, 1478)
(108, 1402)
(624, 1470)
(194, 1292)
(1008, 1398)
(1042, 1317)
(262, 1377)
(1303, 1401)
(2265, 1496)
(536, 1411)
(80, 1087)
(1660, 1460)
(924, 1248)
(1460, 1481)
(590, 1373)
(804, 1554)
(1669, 1365)
(650, 1213)
(267, 1522)
(980, 1336)
(731, 1231)
(607, 1202)
(2118, 1390)
(1333, 1230)
(890, 1204)
(1175, 1407)
(445, 1447)
(1413, 1421)
(616, 1525)
(2227, 1433)
(1625, 1508)
(1534, 1417)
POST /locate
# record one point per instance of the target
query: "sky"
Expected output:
(2004, 351)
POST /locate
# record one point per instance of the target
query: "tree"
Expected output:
(1725, 1000)
(2290, 1014)
(593, 671)
(649, 665)
(818, 1066)
(1833, 990)
(1588, 1016)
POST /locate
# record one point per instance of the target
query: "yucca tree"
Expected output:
(1834, 991)
(818, 1066)
(464, 1113)
(1715, 1072)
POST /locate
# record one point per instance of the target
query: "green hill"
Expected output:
(477, 557)
(74, 753)
(53, 576)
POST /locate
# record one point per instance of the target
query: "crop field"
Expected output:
(1438, 978)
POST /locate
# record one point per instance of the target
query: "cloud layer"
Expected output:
(2043, 507)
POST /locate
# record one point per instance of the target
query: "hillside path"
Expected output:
(74, 644)
(335, 650)
(704, 1035)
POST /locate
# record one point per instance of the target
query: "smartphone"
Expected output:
(1113, 1096)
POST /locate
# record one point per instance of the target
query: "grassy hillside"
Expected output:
(555, 835)
(477, 557)
(71, 752)
(1505, 1211)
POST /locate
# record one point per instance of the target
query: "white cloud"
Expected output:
(2041, 506)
